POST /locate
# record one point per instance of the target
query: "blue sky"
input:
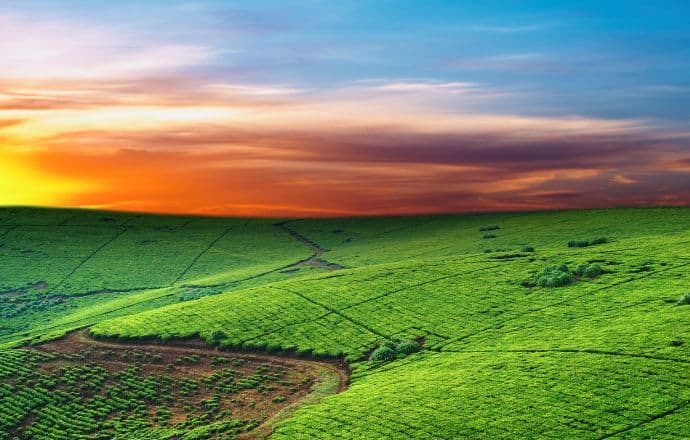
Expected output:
(416, 85)
(596, 58)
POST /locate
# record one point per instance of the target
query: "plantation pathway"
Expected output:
(315, 260)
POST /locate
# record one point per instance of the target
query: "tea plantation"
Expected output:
(570, 324)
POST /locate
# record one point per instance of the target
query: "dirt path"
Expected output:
(313, 261)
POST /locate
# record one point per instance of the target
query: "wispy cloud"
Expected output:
(420, 86)
(511, 29)
(59, 49)
(468, 164)
(184, 127)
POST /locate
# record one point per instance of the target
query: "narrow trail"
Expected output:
(315, 260)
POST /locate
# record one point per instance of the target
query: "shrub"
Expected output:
(489, 228)
(216, 336)
(383, 354)
(527, 248)
(407, 347)
(585, 243)
(586, 270)
(555, 276)
(599, 240)
(580, 269)
(684, 300)
(390, 344)
(489, 236)
(593, 270)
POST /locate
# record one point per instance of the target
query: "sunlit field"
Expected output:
(570, 324)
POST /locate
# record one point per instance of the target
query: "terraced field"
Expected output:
(572, 324)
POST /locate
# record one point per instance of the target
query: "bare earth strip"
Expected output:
(327, 376)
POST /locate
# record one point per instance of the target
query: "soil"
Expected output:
(315, 260)
(297, 376)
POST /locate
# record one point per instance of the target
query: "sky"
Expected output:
(323, 108)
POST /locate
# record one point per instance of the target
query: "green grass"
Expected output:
(502, 355)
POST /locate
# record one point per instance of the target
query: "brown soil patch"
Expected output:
(289, 380)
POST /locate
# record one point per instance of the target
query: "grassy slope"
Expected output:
(597, 359)
(74, 268)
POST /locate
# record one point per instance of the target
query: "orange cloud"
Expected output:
(229, 171)
(125, 127)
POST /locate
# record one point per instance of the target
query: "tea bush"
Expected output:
(383, 354)
(586, 243)
(684, 300)
(554, 276)
(489, 228)
(588, 270)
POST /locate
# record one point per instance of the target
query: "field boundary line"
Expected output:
(75, 325)
(7, 232)
(651, 419)
(283, 327)
(201, 254)
(88, 257)
(383, 295)
(332, 310)
(558, 303)
(570, 350)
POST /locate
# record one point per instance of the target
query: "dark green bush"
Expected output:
(488, 236)
(216, 336)
(527, 248)
(489, 228)
(684, 300)
(554, 276)
(390, 344)
(585, 243)
(586, 270)
(407, 347)
(383, 354)
(593, 270)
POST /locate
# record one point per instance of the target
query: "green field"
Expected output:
(564, 324)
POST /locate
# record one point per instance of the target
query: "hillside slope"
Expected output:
(529, 325)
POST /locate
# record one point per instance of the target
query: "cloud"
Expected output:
(4, 123)
(595, 62)
(163, 91)
(454, 87)
(118, 121)
(373, 170)
(511, 29)
(623, 180)
(527, 62)
(60, 49)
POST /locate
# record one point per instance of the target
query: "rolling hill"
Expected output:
(562, 324)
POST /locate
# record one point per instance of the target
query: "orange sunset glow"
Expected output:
(95, 115)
